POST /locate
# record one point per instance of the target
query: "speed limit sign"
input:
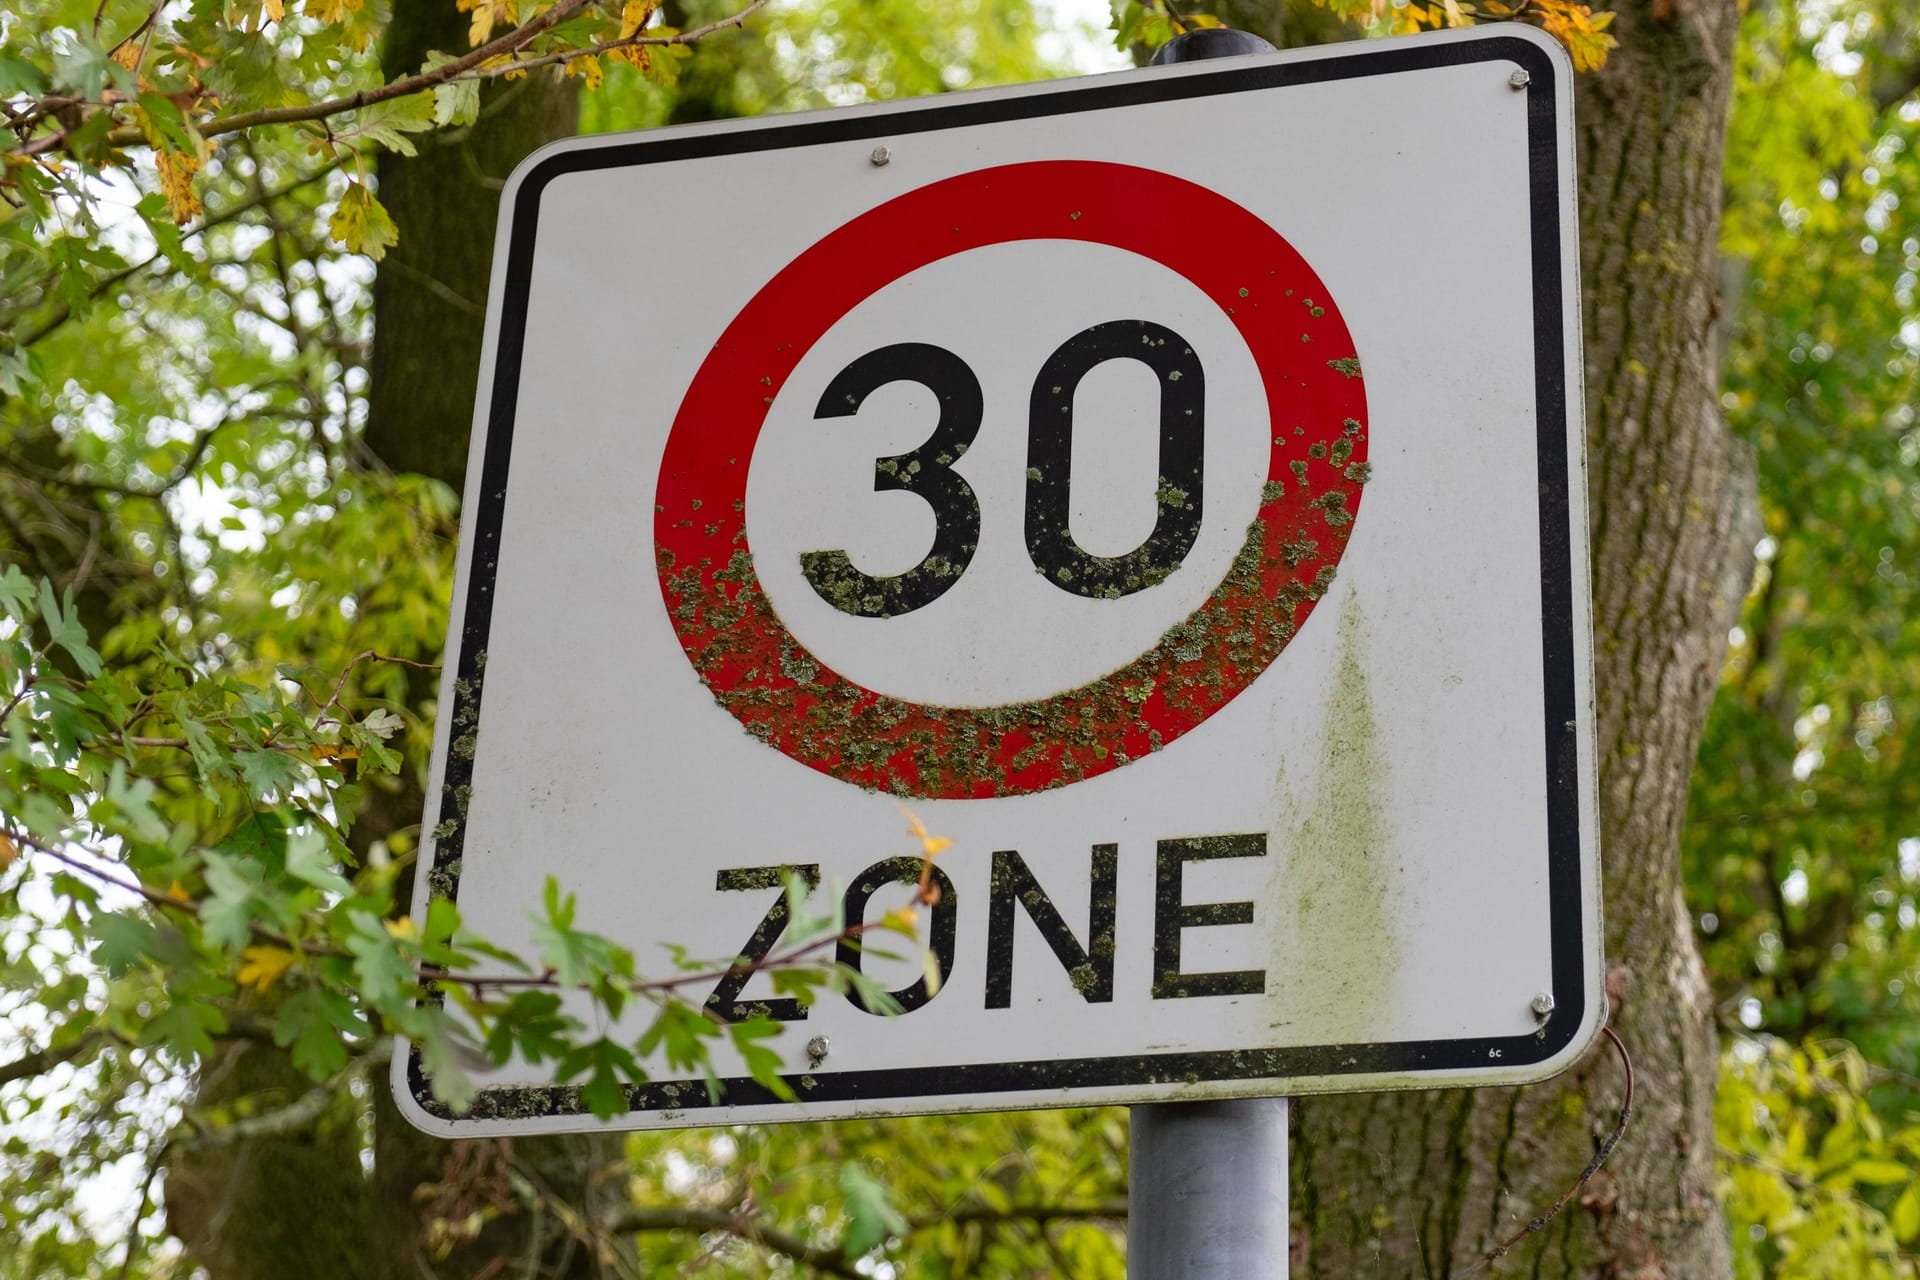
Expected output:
(1167, 486)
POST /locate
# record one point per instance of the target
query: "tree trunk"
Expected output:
(430, 295)
(1425, 1184)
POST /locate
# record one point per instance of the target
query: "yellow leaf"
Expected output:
(401, 928)
(332, 10)
(263, 966)
(929, 844)
(486, 15)
(635, 15)
(900, 919)
(277, 10)
(587, 68)
(8, 851)
(176, 180)
(128, 55)
(1580, 29)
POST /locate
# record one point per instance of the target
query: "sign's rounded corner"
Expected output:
(1543, 54)
(1577, 1043)
(413, 1099)
(539, 167)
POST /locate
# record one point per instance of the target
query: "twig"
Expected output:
(365, 655)
(1505, 1247)
(140, 1211)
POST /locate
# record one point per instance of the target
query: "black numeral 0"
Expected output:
(928, 470)
(1050, 542)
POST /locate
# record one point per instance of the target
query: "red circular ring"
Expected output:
(783, 695)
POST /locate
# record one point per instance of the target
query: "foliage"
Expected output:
(1816, 1183)
(1803, 842)
(1147, 24)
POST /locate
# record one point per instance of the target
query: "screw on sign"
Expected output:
(1316, 466)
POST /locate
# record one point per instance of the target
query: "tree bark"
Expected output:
(430, 294)
(1425, 1184)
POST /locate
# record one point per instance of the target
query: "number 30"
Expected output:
(927, 471)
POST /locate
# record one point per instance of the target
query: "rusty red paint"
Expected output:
(783, 695)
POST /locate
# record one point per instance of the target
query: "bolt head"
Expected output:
(817, 1048)
(1542, 1005)
(1520, 79)
(879, 156)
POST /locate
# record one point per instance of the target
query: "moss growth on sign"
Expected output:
(1339, 887)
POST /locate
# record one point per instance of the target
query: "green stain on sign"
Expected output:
(1338, 890)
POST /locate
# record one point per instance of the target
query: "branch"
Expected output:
(636, 40)
(1040, 1214)
(1894, 87)
(505, 46)
(293, 1117)
(833, 1262)
(44, 1060)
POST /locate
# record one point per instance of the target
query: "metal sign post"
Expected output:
(1207, 1191)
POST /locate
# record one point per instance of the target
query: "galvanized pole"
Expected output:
(1207, 1181)
(1207, 1191)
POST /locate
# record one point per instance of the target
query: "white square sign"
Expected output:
(1166, 485)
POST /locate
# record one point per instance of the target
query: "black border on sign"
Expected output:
(1566, 930)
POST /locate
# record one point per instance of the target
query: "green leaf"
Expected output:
(227, 915)
(311, 1023)
(122, 942)
(1905, 1218)
(16, 593)
(871, 1217)
(762, 1063)
(678, 1030)
(382, 723)
(457, 102)
(66, 630)
(388, 123)
(270, 774)
(362, 224)
(1880, 1173)
(384, 973)
(606, 1063)
(444, 1059)
(185, 1030)
(532, 1022)
(17, 75)
(84, 68)
(310, 861)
